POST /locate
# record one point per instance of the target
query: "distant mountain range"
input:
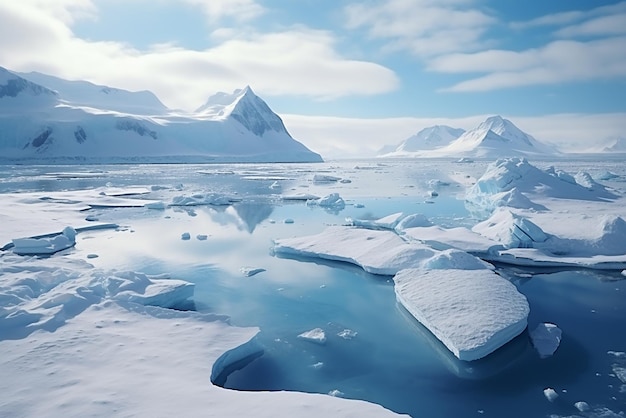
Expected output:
(493, 138)
(45, 118)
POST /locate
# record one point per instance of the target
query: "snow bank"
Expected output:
(472, 313)
(41, 246)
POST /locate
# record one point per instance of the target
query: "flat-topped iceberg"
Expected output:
(473, 313)
(45, 246)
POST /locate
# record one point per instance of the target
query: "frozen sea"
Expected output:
(374, 350)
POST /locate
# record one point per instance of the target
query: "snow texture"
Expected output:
(473, 313)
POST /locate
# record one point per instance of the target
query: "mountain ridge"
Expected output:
(117, 125)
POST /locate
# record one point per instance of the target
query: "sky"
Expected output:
(347, 76)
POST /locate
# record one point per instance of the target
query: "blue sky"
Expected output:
(420, 60)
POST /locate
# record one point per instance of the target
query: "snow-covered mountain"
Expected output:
(427, 139)
(619, 145)
(496, 137)
(48, 119)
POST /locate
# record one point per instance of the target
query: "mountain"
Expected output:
(496, 137)
(427, 139)
(48, 119)
(619, 145)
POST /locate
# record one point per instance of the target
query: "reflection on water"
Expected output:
(390, 359)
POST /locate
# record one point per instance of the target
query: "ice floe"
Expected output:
(546, 338)
(41, 246)
(472, 313)
(316, 335)
(550, 394)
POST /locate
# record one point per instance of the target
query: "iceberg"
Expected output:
(473, 313)
(546, 338)
(316, 335)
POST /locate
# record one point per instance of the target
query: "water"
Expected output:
(391, 360)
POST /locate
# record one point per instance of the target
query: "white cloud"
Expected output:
(557, 62)
(423, 27)
(239, 10)
(600, 26)
(572, 16)
(297, 61)
(336, 138)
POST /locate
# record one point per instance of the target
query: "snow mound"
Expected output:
(41, 246)
(546, 338)
(473, 313)
(512, 230)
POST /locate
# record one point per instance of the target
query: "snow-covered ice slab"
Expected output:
(473, 313)
(45, 246)
(375, 251)
(378, 252)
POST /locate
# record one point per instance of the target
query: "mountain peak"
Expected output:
(245, 107)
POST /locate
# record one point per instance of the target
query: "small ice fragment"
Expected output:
(616, 353)
(318, 365)
(201, 237)
(251, 271)
(620, 373)
(91, 218)
(433, 193)
(288, 221)
(582, 406)
(185, 236)
(155, 205)
(323, 178)
(315, 335)
(336, 393)
(550, 394)
(347, 334)
(546, 339)
(345, 181)
(361, 205)
(275, 185)
(92, 255)
(623, 272)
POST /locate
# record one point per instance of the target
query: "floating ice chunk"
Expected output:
(623, 272)
(347, 334)
(92, 255)
(473, 313)
(336, 393)
(38, 246)
(300, 196)
(155, 205)
(139, 288)
(333, 201)
(276, 185)
(620, 372)
(315, 335)
(288, 221)
(201, 237)
(318, 365)
(512, 230)
(582, 406)
(550, 394)
(324, 178)
(202, 199)
(185, 236)
(546, 338)
(251, 271)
